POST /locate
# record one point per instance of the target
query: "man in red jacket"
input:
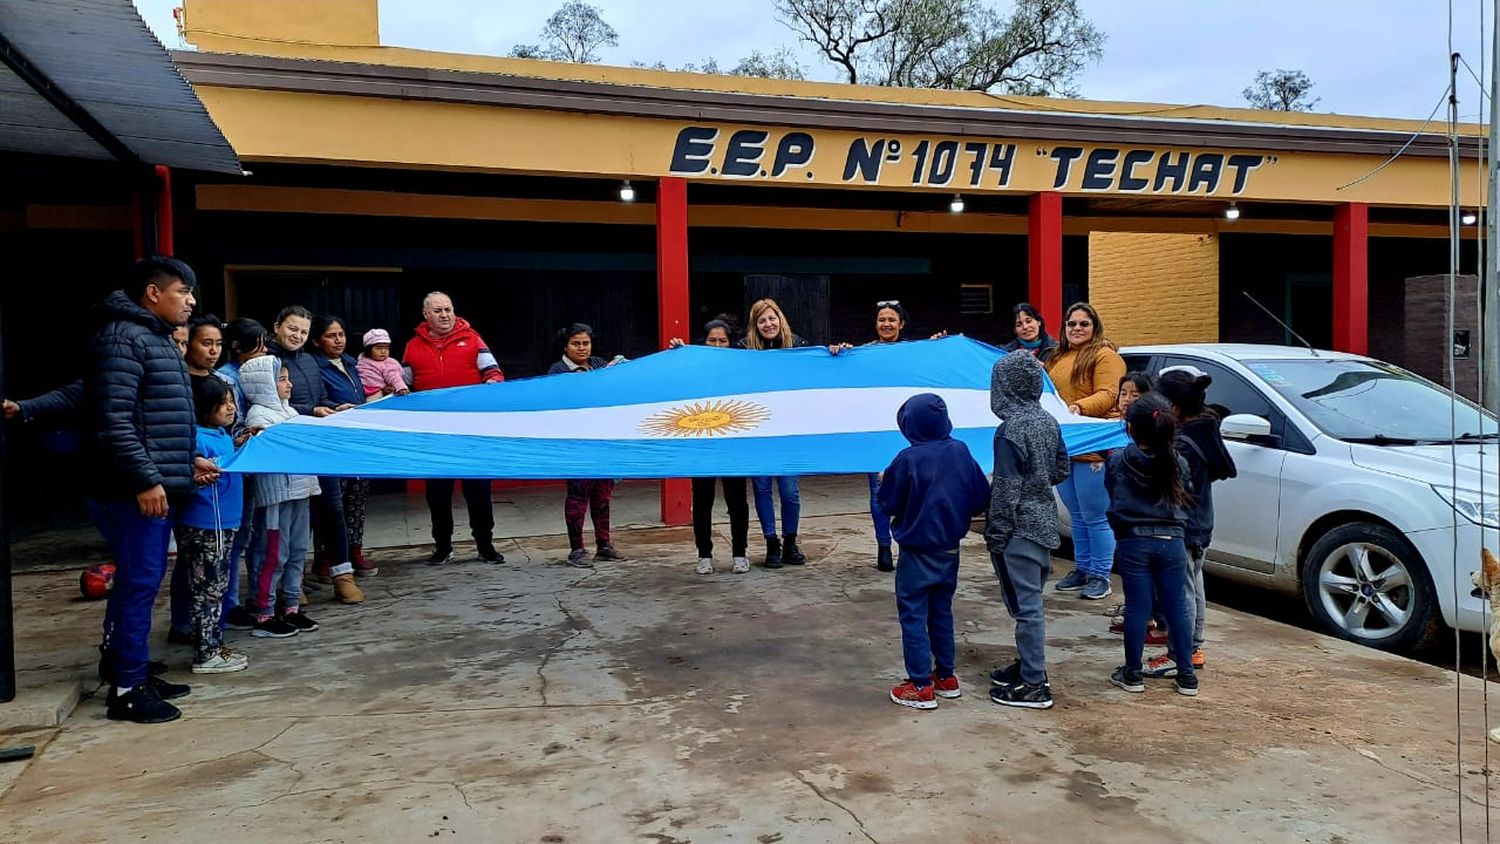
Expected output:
(447, 352)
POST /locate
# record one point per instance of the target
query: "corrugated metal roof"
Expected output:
(102, 56)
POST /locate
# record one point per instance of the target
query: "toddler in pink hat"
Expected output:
(378, 371)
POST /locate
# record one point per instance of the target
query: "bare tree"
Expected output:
(1281, 90)
(574, 33)
(1039, 47)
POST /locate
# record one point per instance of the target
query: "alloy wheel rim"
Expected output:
(1366, 590)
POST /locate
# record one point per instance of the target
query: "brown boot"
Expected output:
(346, 590)
(321, 562)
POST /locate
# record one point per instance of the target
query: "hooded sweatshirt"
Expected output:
(258, 380)
(1030, 457)
(933, 487)
(1135, 482)
(1202, 446)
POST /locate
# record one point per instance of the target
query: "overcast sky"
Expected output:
(1374, 57)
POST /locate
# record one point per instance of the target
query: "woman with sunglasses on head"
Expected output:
(890, 324)
(1087, 370)
(1031, 333)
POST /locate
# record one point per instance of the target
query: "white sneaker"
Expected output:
(741, 565)
(705, 565)
(223, 662)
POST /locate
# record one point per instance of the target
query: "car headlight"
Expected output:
(1467, 502)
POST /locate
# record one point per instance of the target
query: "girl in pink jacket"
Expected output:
(378, 371)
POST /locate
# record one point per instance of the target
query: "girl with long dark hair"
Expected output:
(1147, 482)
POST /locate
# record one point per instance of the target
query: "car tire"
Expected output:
(1365, 583)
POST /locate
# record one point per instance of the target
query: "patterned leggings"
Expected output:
(585, 497)
(205, 554)
(356, 495)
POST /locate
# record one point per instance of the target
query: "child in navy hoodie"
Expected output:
(931, 491)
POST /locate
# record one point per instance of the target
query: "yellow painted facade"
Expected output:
(280, 27)
(1156, 288)
(323, 128)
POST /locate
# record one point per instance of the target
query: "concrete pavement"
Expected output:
(531, 702)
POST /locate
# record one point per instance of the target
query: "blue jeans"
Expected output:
(791, 504)
(180, 594)
(882, 521)
(1146, 562)
(237, 549)
(925, 583)
(1087, 500)
(139, 545)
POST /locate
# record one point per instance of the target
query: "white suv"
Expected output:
(1359, 486)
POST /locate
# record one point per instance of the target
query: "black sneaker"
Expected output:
(790, 553)
(1128, 680)
(164, 689)
(1074, 581)
(239, 618)
(141, 705)
(301, 621)
(1024, 695)
(883, 561)
(274, 628)
(1187, 684)
(486, 552)
(1007, 676)
(773, 553)
(440, 555)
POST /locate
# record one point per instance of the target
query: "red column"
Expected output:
(164, 210)
(1351, 278)
(672, 313)
(1044, 258)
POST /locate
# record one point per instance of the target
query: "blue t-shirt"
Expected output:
(215, 444)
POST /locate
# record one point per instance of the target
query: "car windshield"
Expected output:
(1375, 402)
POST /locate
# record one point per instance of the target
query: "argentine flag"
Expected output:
(694, 411)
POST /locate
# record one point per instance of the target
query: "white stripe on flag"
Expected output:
(772, 414)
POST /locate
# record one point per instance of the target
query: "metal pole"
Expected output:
(1489, 337)
(7, 609)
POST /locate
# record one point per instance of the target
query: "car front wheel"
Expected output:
(1366, 583)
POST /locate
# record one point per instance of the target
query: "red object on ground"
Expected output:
(1044, 258)
(1351, 278)
(96, 581)
(672, 313)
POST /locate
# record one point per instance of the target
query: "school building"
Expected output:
(644, 202)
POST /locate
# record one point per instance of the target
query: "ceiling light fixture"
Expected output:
(957, 205)
(627, 193)
(1232, 213)
(1469, 218)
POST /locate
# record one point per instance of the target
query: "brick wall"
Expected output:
(1155, 288)
(1426, 330)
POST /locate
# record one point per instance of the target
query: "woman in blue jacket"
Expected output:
(339, 372)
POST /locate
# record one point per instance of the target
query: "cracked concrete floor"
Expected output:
(532, 702)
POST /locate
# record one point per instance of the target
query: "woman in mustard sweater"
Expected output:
(1086, 370)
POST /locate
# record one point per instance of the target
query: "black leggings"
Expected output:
(703, 507)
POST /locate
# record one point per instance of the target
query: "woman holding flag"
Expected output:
(1086, 370)
(769, 329)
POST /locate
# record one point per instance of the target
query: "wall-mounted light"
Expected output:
(957, 204)
(1469, 218)
(627, 193)
(1232, 213)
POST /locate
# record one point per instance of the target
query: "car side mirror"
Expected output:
(1245, 426)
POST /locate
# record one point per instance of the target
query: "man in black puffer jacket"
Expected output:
(140, 441)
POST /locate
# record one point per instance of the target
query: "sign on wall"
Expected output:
(959, 164)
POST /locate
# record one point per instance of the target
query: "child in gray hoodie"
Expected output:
(1022, 530)
(278, 548)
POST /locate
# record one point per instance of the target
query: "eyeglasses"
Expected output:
(890, 303)
(1079, 323)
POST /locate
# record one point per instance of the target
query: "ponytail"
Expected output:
(1153, 427)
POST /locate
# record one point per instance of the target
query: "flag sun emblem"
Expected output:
(706, 419)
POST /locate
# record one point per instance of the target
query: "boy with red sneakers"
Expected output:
(931, 491)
